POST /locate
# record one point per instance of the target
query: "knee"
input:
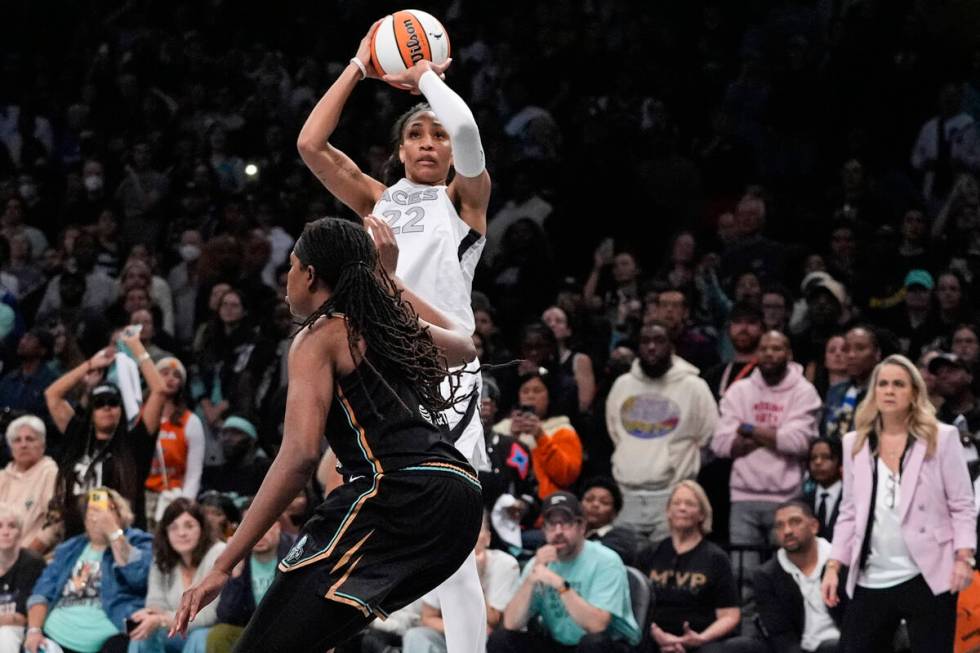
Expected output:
(593, 643)
(504, 641)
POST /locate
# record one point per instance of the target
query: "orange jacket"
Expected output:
(556, 455)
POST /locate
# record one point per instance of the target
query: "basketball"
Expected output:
(407, 37)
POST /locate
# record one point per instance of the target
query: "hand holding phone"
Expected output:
(98, 499)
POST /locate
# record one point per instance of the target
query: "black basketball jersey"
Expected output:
(375, 427)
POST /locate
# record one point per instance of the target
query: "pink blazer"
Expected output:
(936, 509)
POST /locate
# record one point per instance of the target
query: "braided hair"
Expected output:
(344, 258)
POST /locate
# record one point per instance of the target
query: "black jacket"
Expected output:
(780, 606)
(237, 603)
(826, 530)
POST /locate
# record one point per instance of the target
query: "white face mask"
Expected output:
(93, 183)
(189, 252)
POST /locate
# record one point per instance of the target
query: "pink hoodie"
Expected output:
(792, 408)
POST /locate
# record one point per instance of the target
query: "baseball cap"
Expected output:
(240, 424)
(919, 278)
(561, 501)
(105, 389)
(945, 359)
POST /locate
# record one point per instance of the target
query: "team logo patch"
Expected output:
(518, 459)
(426, 415)
(649, 416)
(296, 552)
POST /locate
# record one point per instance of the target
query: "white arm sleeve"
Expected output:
(194, 433)
(458, 120)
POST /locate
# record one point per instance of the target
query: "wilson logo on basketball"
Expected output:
(413, 44)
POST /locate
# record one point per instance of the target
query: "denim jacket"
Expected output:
(123, 588)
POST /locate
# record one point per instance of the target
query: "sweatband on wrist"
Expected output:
(360, 66)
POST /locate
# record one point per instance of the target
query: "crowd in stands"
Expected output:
(710, 224)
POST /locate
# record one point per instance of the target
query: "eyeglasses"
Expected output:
(562, 524)
(891, 487)
(106, 402)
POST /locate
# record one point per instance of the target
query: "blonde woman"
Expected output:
(693, 614)
(907, 527)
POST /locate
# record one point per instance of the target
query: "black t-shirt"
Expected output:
(90, 471)
(690, 586)
(243, 480)
(17, 583)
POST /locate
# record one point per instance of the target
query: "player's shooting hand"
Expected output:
(409, 79)
(364, 51)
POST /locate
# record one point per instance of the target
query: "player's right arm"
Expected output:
(335, 170)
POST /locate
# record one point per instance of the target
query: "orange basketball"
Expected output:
(407, 37)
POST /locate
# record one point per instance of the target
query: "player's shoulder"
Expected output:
(324, 336)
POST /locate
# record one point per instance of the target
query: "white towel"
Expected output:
(127, 374)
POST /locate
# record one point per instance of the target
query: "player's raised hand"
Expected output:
(409, 79)
(384, 240)
(364, 51)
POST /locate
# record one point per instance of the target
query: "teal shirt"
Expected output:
(78, 621)
(598, 575)
(263, 573)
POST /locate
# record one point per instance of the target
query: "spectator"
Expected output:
(556, 451)
(752, 251)
(966, 344)
(824, 494)
(101, 447)
(932, 383)
(830, 371)
(602, 502)
(578, 588)
(791, 608)
(573, 363)
(659, 415)
(12, 223)
(222, 513)
(766, 424)
(246, 587)
(510, 481)
(776, 306)
(179, 461)
(696, 345)
(184, 281)
(106, 234)
(525, 202)
(499, 578)
(23, 267)
(19, 570)
(95, 581)
(953, 300)
(903, 563)
(863, 353)
(823, 312)
(954, 383)
(99, 288)
(149, 334)
(939, 149)
(914, 322)
(184, 550)
(22, 389)
(140, 194)
(745, 327)
(27, 483)
(697, 600)
(243, 469)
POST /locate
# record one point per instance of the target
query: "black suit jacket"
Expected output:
(780, 605)
(826, 530)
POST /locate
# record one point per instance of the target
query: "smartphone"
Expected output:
(98, 499)
(131, 625)
(525, 408)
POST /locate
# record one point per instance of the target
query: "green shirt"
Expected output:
(78, 621)
(598, 575)
(263, 573)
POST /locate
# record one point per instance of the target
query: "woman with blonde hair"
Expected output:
(906, 527)
(697, 599)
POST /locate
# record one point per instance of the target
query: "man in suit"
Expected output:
(824, 463)
(793, 616)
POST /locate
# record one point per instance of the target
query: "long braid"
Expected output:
(374, 310)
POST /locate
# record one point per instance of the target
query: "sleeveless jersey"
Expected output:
(437, 258)
(437, 251)
(172, 442)
(373, 430)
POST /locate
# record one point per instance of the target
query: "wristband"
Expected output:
(33, 629)
(145, 356)
(360, 66)
(116, 534)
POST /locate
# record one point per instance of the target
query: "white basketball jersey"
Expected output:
(437, 251)
(437, 258)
